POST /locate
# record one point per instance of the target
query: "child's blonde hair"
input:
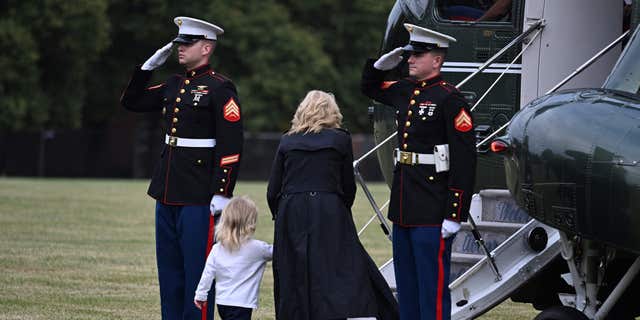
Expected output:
(238, 223)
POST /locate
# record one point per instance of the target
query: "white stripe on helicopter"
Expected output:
(469, 67)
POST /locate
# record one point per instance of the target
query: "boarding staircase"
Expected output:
(519, 247)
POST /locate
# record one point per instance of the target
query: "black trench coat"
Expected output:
(321, 270)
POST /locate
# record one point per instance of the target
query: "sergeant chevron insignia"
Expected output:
(462, 121)
(231, 111)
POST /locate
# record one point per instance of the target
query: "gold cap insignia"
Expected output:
(179, 22)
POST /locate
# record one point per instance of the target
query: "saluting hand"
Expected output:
(389, 60)
(158, 58)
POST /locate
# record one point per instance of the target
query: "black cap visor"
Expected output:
(188, 38)
(415, 46)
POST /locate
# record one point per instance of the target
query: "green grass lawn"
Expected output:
(84, 249)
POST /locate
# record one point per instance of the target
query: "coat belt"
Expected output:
(189, 142)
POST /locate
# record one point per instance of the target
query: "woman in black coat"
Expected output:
(321, 270)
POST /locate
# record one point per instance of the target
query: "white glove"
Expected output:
(158, 58)
(389, 60)
(449, 228)
(218, 203)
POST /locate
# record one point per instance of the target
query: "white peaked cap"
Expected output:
(423, 39)
(191, 30)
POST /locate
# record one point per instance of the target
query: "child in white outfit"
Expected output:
(236, 262)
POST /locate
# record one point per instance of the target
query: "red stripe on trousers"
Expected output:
(212, 227)
(401, 195)
(440, 280)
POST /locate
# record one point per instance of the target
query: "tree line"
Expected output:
(65, 62)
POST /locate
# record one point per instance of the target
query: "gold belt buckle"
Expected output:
(173, 141)
(406, 157)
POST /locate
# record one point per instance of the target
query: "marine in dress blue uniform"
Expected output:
(428, 201)
(198, 166)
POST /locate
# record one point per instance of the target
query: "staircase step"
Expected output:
(461, 262)
(498, 206)
(466, 243)
(466, 257)
(492, 226)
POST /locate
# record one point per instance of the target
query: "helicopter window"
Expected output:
(475, 10)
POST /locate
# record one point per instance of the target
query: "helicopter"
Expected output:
(556, 216)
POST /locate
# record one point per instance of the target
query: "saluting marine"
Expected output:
(197, 171)
(434, 172)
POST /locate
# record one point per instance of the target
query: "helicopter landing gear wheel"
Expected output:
(561, 313)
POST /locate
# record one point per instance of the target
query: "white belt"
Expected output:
(412, 158)
(187, 142)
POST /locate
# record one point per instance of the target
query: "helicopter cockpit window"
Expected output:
(475, 10)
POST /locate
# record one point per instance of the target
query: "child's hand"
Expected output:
(200, 304)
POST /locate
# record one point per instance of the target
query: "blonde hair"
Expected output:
(318, 110)
(238, 223)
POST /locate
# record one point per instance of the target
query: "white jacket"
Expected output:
(237, 274)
